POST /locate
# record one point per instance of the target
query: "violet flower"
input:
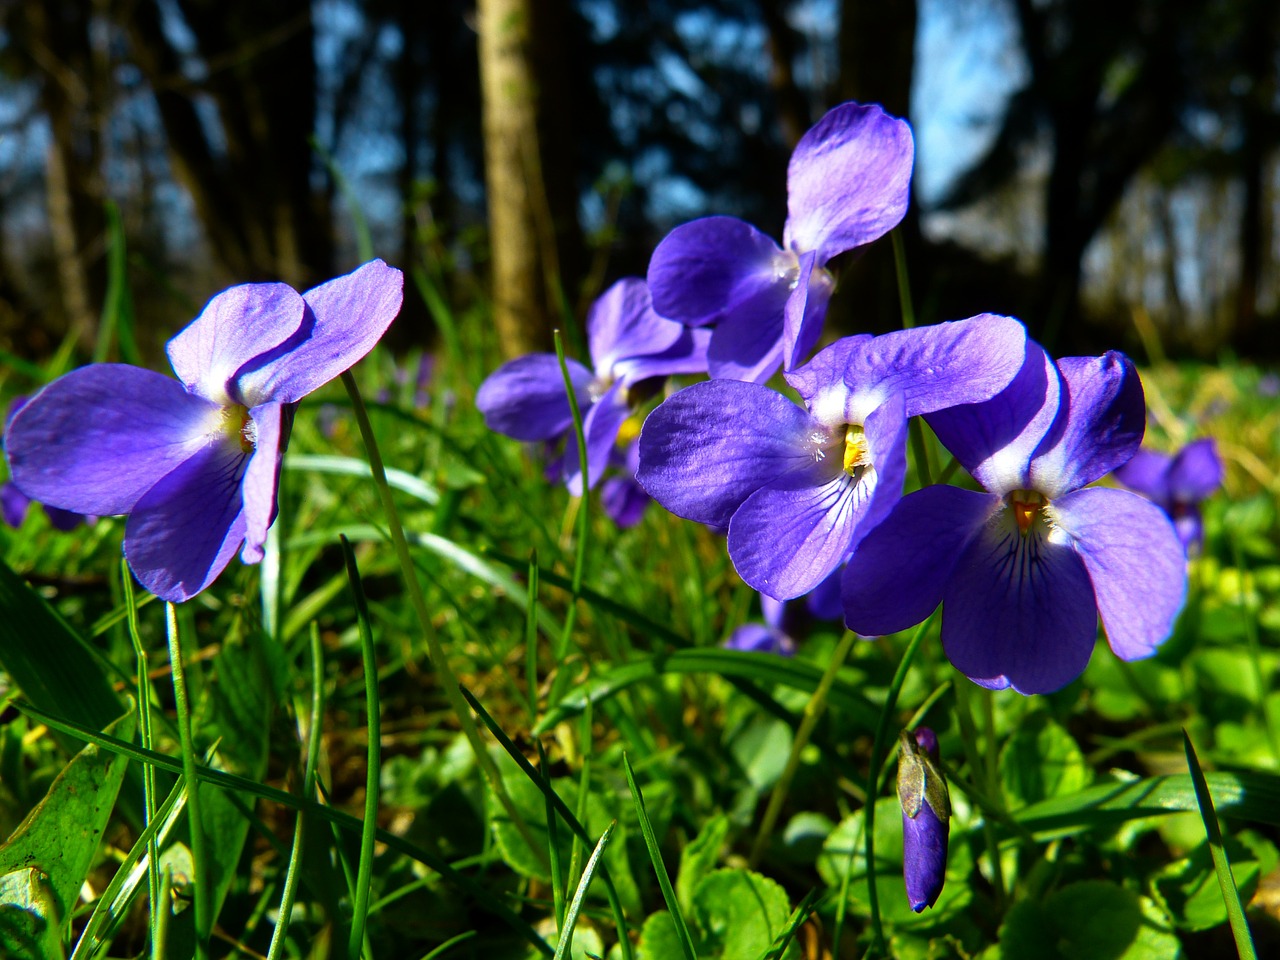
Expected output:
(847, 185)
(797, 487)
(1024, 570)
(1177, 484)
(926, 812)
(194, 462)
(629, 343)
(14, 503)
(786, 622)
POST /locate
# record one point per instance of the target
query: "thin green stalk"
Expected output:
(813, 711)
(531, 640)
(373, 763)
(448, 680)
(202, 902)
(980, 772)
(580, 548)
(163, 911)
(992, 758)
(144, 737)
(553, 841)
(571, 918)
(904, 282)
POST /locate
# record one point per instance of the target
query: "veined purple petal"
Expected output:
(995, 440)
(600, 428)
(848, 180)
(706, 449)
(687, 355)
(271, 423)
(959, 362)
(1196, 472)
(623, 500)
(899, 569)
(622, 324)
(236, 327)
(1135, 562)
(346, 317)
(1019, 610)
(1147, 473)
(715, 268)
(95, 440)
(526, 398)
(1101, 420)
(184, 530)
(805, 311)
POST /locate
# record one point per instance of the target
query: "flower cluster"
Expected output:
(194, 462)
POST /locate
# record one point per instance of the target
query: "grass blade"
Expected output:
(571, 917)
(659, 868)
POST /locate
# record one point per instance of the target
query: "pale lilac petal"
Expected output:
(805, 311)
(623, 500)
(1018, 610)
(236, 327)
(899, 569)
(688, 355)
(1135, 561)
(719, 267)
(600, 429)
(1196, 472)
(707, 448)
(95, 440)
(1147, 473)
(1100, 423)
(184, 530)
(622, 324)
(346, 317)
(995, 440)
(774, 611)
(1189, 525)
(271, 423)
(757, 638)
(526, 398)
(747, 348)
(13, 504)
(848, 181)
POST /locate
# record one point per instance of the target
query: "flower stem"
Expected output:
(144, 737)
(580, 548)
(813, 711)
(435, 650)
(904, 282)
(202, 905)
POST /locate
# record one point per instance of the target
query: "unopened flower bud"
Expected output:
(926, 812)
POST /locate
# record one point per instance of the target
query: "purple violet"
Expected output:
(1177, 483)
(847, 184)
(1024, 569)
(797, 487)
(194, 462)
(926, 815)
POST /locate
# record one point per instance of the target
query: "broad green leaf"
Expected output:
(740, 913)
(28, 917)
(1089, 919)
(1041, 761)
(700, 857)
(659, 939)
(1188, 888)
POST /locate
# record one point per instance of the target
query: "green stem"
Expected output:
(580, 548)
(144, 736)
(435, 650)
(202, 904)
(904, 282)
(813, 711)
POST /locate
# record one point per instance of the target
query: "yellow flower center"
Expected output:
(237, 425)
(1026, 505)
(857, 457)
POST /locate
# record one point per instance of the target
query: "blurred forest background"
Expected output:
(1095, 167)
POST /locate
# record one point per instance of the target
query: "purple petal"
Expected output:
(622, 324)
(600, 429)
(526, 398)
(719, 267)
(995, 440)
(1196, 471)
(747, 348)
(848, 180)
(898, 571)
(1146, 472)
(1100, 423)
(1019, 610)
(623, 500)
(95, 440)
(235, 328)
(1189, 525)
(757, 638)
(824, 601)
(1135, 562)
(687, 355)
(271, 423)
(13, 504)
(184, 530)
(65, 520)
(707, 448)
(805, 311)
(924, 856)
(348, 316)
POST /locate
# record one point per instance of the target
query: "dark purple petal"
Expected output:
(744, 347)
(687, 355)
(95, 440)
(346, 317)
(805, 311)
(924, 856)
(706, 449)
(1147, 473)
(1018, 610)
(13, 504)
(848, 181)
(757, 638)
(622, 324)
(885, 432)
(184, 530)
(824, 601)
(526, 398)
(600, 429)
(236, 327)
(719, 267)
(1135, 561)
(65, 520)
(899, 569)
(1196, 472)
(995, 440)
(1100, 423)
(271, 423)
(623, 500)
